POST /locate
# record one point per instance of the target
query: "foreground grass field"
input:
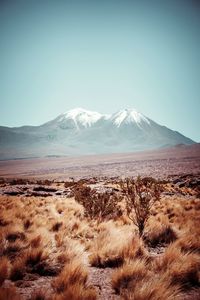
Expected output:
(77, 240)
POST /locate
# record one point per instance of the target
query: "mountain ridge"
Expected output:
(79, 131)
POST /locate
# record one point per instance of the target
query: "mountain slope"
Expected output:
(79, 131)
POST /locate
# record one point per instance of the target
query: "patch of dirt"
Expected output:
(26, 288)
(101, 279)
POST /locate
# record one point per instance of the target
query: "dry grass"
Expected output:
(9, 294)
(160, 234)
(136, 280)
(72, 273)
(72, 283)
(38, 295)
(153, 289)
(57, 238)
(4, 269)
(113, 245)
(129, 274)
(181, 268)
(77, 292)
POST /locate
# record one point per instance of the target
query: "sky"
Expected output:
(103, 56)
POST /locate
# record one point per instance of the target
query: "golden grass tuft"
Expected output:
(4, 269)
(18, 270)
(129, 274)
(38, 295)
(181, 268)
(159, 234)
(77, 292)
(52, 237)
(9, 294)
(189, 242)
(155, 288)
(73, 273)
(113, 246)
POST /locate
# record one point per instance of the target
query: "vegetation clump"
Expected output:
(98, 205)
(141, 194)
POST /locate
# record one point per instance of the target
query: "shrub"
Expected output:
(98, 205)
(140, 195)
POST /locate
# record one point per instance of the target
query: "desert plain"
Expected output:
(121, 226)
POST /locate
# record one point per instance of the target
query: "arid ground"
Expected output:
(76, 228)
(158, 163)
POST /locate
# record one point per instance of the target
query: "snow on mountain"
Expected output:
(128, 116)
(84, 118)
(81, 117)
(79, 131)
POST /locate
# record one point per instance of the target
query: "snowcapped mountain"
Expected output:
(79, 131)
(128, 116)
(80, 117)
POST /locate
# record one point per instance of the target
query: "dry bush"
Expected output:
(73, 273)
(19, 181)
(140, 194)
(98, 205)
(44, 182)
(68, 184)
(4, 269)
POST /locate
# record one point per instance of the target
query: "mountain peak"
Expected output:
(127, 116)
(81, 117)
(80, 131)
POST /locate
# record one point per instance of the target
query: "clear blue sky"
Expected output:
(100, 55)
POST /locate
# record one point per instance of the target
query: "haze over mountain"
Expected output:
(80, 131)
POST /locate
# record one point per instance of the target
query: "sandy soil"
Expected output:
(158, 163)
